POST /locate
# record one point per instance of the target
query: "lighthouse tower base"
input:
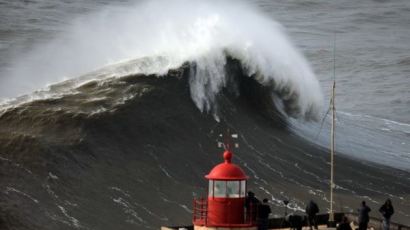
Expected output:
(224, 228)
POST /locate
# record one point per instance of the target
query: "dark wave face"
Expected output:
(132, 152)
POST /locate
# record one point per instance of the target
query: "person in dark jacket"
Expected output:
(344, 225)
(295, 221)
(263, 215)
(311, 210)
(251, 206)
(363, 216)
(387, 211)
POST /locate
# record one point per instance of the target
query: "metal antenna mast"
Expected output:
(332, 138)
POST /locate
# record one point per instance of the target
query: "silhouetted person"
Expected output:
(387, 211)
(251, 206)
(363, 216)
(295, 221)
(263, 215)
(344, 225)
(311, 210)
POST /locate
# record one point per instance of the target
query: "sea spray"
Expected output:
(177, 31)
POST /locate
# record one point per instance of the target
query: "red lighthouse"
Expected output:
(224, 208)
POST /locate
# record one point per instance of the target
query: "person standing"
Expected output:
(295, 221)
(311, 210)
(251, 207)
(364, 216)
(263, 215)
(387, 211)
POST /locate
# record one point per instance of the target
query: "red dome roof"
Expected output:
(227, 170)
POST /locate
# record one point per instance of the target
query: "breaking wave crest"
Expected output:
(157, 36)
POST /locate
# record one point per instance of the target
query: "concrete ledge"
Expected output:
(280, 223)
(222, 228)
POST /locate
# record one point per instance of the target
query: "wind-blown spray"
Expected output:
(168, 34)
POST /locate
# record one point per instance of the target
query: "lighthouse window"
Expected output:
(243, 188)
(219, 188)
(211, 188)
(232, 189)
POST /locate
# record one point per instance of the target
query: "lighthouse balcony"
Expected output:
(203, 216)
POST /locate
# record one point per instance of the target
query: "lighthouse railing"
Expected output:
(200, 211)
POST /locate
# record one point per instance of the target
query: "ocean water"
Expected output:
(102, 105)
(367, 42)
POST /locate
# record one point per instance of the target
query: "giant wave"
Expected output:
(168, 34)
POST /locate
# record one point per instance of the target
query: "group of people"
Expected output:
(257, 211)
(386, 210)
(260, 212)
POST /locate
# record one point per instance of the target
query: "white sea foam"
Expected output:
(165, 171)
(183, 206)
(128, 208)
(11, 189)
(150, 212)
(52, 176)
(73, 221)
(120, 190)
(171, 33)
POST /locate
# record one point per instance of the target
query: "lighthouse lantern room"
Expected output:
(224, 208)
